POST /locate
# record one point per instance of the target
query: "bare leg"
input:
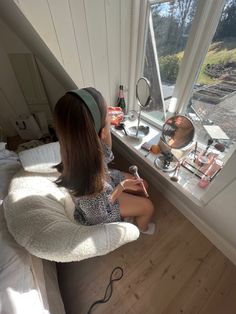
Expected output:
(136, 206)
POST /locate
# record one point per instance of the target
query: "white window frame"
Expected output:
(204, 25)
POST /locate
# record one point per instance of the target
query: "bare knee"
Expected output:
(149, 210)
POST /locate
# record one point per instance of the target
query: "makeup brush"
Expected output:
(209, 143)
(175, 177)
(195, 152)
(134, 170)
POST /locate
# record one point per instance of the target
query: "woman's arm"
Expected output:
(127, 184)
(106, 132)
(108, 139)
(117, 192)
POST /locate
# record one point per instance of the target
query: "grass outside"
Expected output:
(219, 53)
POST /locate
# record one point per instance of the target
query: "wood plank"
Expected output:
(199, 287)
(162, 272)
(62, 19)
(95, 14)
(177, 270)
(112, 10)
(223, 298)
(78, 14)
(126, 257)
(173, 271)
(125, 24)
(41, 19)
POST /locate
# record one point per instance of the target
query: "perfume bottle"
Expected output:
(121, 100)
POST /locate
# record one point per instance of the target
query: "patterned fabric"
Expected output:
(93, 210)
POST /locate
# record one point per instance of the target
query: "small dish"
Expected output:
(140, 133)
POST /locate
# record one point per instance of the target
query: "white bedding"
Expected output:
(9, 164)
(24, 279)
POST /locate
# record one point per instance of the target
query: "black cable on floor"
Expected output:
(116, 274)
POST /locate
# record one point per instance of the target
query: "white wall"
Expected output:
(12, 101)
(54, 89)
(91, 39)
(92, 43)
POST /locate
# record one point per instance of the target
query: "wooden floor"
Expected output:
(177, 270)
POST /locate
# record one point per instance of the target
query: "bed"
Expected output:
(27, 284)
(39, 216)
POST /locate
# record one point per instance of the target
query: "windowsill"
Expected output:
(187, 184)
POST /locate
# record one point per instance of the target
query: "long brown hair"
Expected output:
(82, 165)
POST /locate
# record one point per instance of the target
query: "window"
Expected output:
(195, 44)
(170, 23)
(213, 100)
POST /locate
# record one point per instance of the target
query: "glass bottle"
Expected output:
(121, 100)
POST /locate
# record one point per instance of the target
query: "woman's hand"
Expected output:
(129, 185)
(132, 184)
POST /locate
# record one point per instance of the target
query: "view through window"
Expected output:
(213, 100)
(171, 25)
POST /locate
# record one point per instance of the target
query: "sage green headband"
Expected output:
(91, 104)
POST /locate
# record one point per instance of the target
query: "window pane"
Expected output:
(171, 25)
(214, 95)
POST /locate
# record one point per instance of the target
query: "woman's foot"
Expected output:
(150, 229)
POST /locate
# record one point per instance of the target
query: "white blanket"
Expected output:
(9, 164)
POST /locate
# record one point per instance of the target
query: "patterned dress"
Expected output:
(93, 210)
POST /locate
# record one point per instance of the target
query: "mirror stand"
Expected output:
(138, 131)
(143, 95)
(166, 162)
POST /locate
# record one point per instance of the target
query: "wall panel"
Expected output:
(79, 20)
(40, 17)
(12, 101)
(113, 28)
(96, 21)
(90, 38)
(62, 19)
(125, 39)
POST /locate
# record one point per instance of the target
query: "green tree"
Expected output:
(227, 24)
(171, 22)
(169, 67)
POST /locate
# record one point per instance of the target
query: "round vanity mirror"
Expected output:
(143, 95)
(178, 132)
(143, 92)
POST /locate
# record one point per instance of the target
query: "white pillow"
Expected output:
(2, 146)
(41, 158)
(35, 215)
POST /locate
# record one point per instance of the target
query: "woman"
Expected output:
(83, 129)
